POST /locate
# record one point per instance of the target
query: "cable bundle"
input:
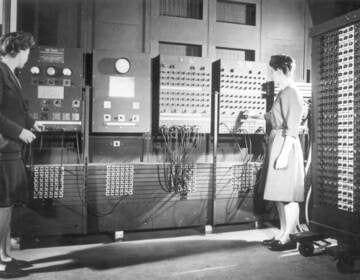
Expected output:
(180, 146)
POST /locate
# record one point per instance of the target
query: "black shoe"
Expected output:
(18, 263)
(12, 273)
(269, 242)
(278, 246)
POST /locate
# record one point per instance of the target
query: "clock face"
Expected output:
(122, 65)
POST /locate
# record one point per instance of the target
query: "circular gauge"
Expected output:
(35, 70)
(122, 65)
(51, 71)
(67, 72)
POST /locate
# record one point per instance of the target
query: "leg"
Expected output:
(291, 218)
(280, 234)
(281, 213)
(4, 224)
(5, 241)
(3, 247)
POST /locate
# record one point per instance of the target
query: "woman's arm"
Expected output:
(283, 158)
(9, 128)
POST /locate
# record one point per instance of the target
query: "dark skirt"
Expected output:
(13, 180)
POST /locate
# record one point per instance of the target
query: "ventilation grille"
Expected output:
(182, 8)
(180, 49)
(235, 12)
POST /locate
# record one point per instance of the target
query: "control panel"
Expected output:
(182, 92)
(48, 181)
(52, 81)
(241, 93)
(337, 119)
(119, 180)
(121, 92)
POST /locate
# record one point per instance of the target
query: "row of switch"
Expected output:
(59, 103)
(51, 82)
(184, 93)
(57, 116)
(202, 85)
(257, 88)
(180, 78)
(185, 100)
(239, 94)
(183, 111)
(181, 105)
(241, 82)
(121, 118)
(182, 73)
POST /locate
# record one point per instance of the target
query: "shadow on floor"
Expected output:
(126, 254)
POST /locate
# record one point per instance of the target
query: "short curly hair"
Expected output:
(11, 43)
(283, 62)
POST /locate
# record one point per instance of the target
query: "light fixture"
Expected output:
(122, 65)
(35, 70)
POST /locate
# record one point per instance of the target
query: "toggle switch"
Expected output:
(107, 117)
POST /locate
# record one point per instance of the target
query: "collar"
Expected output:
(9, 76)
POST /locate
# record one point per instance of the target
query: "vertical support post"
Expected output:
(215, 143)
(85, 138)
(9, 15)
(6, 14)
(214, 133)
(13, 15)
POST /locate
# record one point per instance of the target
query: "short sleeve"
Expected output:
(291, 109)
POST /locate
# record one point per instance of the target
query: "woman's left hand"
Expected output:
(282, 161)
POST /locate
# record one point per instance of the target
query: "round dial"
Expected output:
(35, 70)
(122, 65)
(67, 72)
(51, 71)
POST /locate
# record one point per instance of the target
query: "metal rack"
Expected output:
(335, 209)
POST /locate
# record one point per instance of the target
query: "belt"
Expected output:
(10, 156)
(277, 130)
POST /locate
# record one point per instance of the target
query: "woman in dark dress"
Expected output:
(15, 125)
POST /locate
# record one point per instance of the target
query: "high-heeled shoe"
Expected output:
(12, 272)
(268, 242)
(18, 263)
(278, 246)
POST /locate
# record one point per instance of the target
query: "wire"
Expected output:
(78, 147)
(308, 196)
(62, 147)
(248, 143)
(180, 146)
(98, 214)
(82, 198)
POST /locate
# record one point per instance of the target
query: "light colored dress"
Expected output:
(285, 116)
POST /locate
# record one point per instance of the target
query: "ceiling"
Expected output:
(323, 10)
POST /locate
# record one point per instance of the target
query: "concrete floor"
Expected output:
(234, 255)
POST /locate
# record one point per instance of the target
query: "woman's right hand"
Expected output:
(253, 115)
(27, 136)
